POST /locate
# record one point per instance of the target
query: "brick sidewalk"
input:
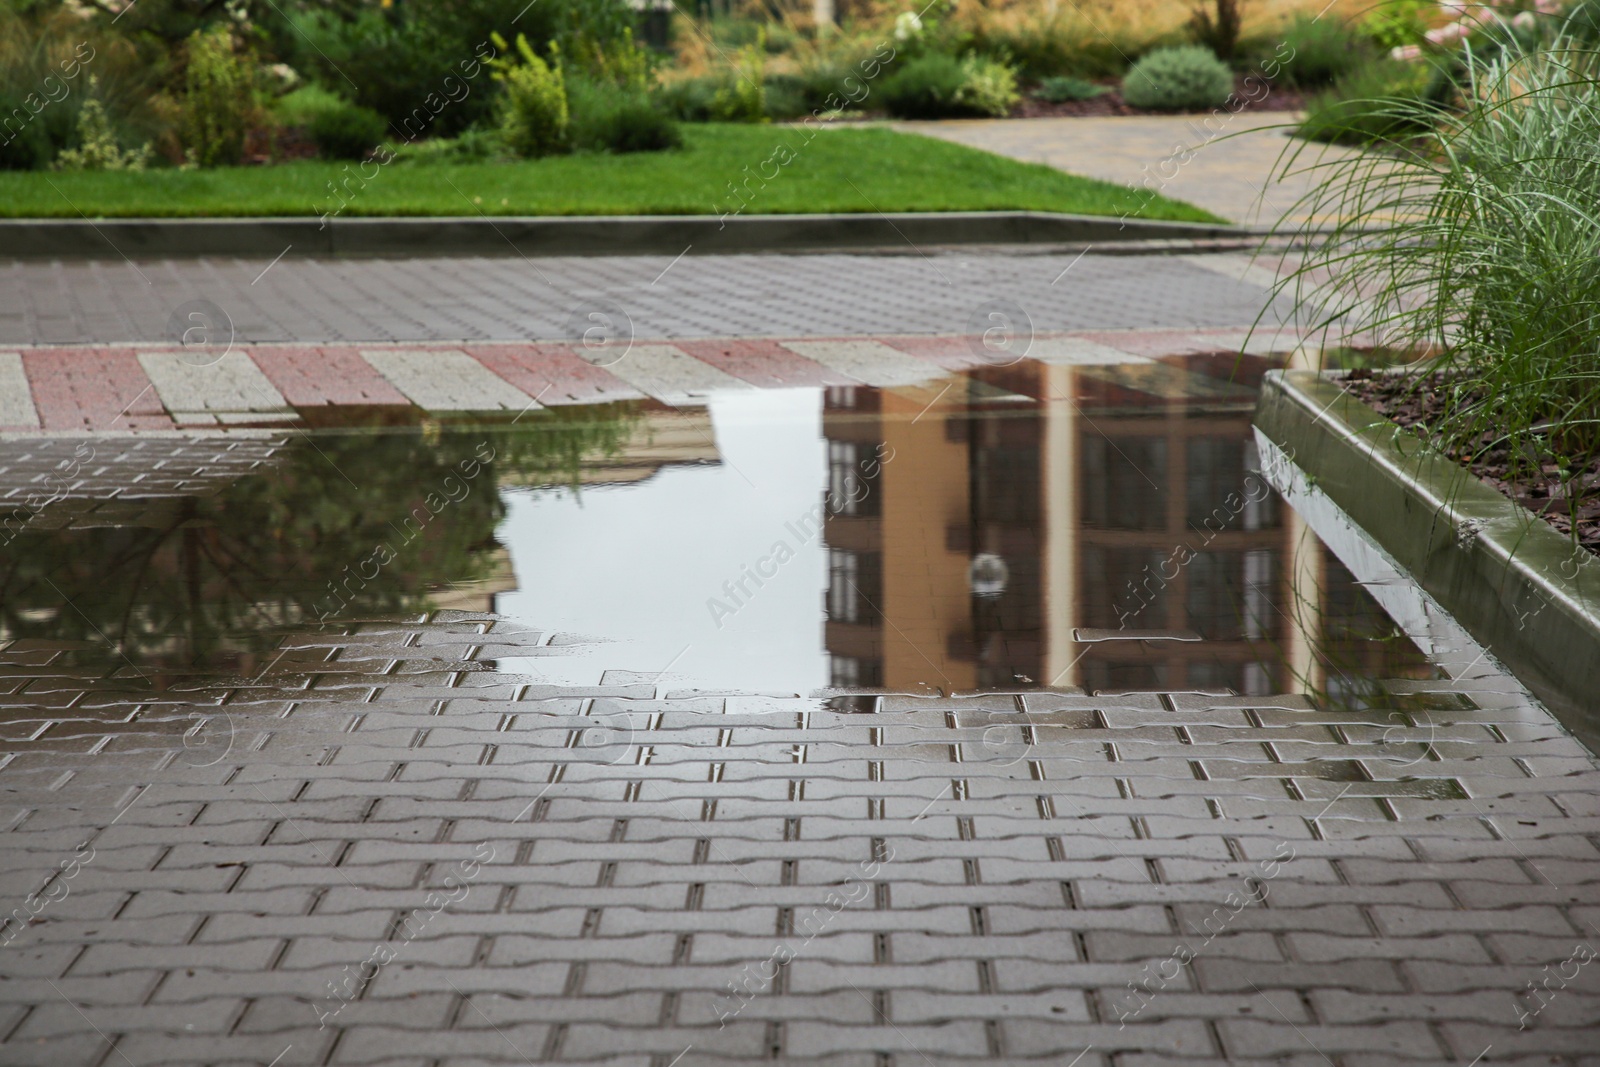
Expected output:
(381, 849)
(330, 301)
(378, 852)
(123, 388)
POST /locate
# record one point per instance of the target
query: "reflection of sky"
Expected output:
(637, 564)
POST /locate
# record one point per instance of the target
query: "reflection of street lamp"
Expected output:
(988, 575)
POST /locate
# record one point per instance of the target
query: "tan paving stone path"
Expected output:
(1222, 163)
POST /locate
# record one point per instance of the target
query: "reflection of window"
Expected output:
(852, 478)
(1230, 594)
(854, 671)
(1224, 490)
(1124, 482)
(1126, 587)
(843, 397)
(855, 580)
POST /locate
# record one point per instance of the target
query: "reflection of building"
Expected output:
(658, 437)
(1118, 498)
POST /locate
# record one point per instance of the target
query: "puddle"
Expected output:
(1011, 529)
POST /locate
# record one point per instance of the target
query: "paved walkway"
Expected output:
(118, 388)
(1221, 163)
(379, 849)
(421, 299)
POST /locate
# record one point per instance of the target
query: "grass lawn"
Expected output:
(839, 169)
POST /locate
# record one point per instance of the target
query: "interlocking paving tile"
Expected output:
(446, 380)
(669, 374)
(93, 389)
(311, 377)
(16, 398)
(202, 387)
(869, 362)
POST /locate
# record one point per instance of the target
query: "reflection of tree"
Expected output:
(337, 527)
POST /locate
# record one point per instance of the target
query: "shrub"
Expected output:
(533, 107)
(347, 132)
(220, 99)
(928, 87)
(988, 88)
(785, 96)
(1060, 90)
(611, 118)
(742, 96)
(1484, 240)
(98, 149)
(401, 59)
(688, 99)
(1186, 78)
(298, 108)
(1377, 102)
(30, 141)
(1394, 23)
(1325, 50)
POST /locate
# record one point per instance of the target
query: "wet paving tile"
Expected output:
(999, 716)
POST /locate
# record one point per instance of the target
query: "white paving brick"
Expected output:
(16, 398)
(671, 375)
(869, 362)
(195, 390)
(1078, 352)
(447, 381)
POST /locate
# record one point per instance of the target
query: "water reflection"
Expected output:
(1013, 528)
(166, 556)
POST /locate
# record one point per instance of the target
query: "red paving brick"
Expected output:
(553, 374)
(765, 364)
(93, 389)
(311, 377)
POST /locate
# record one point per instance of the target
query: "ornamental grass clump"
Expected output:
(1479, 241)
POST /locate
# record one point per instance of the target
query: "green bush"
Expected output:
(742, 96)
(420, 65)
(1060, 90)
(347, 132)
(298, 108)
(1325, 50)
(688, 99)
(219, 101)
(533, 106)
(928, 87)
(1394, 23)
(1377, 102)
(30, 141)
(989, 88)
(98, 148)
(1186, 78)
(606, 117)
(785, 96)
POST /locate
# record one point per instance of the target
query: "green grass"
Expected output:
(839, 169)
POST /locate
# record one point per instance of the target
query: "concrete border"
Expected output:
(1520, 588)
(576, 235)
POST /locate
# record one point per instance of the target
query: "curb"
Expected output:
(1517, 585)
(577, 235)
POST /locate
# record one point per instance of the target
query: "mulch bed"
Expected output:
(1281, 98)
(1396, 397)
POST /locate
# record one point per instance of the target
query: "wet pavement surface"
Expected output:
(874, 705)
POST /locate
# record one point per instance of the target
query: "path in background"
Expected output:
(1222, 163)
